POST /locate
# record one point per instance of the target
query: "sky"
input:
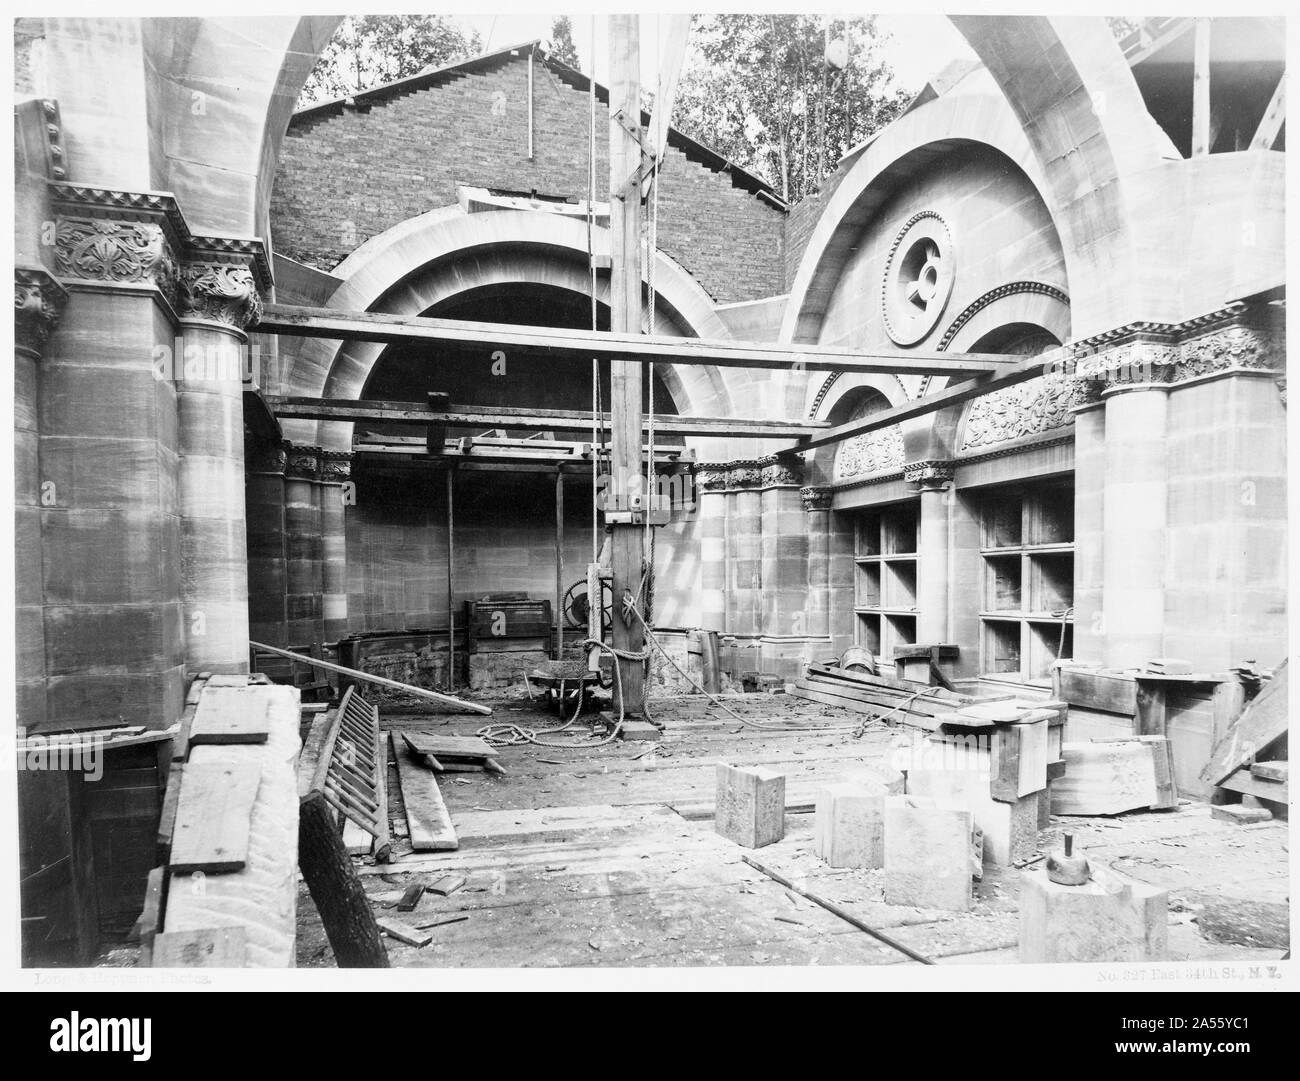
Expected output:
(921, 44)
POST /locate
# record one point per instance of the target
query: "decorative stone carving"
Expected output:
(109, 250)
(782, 473)
(1241, 345)
(871, 452)
(919, 274)
(815, 498)
(303, 463)
(931, 473)
(336, 466)
(221, 292)
(1281, 389)
(711, 477)
(1009, 289)
(746, 473)
(1038, 405)
(266, 458)
(38, 303)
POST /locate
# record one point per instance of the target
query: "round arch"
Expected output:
(444, 253)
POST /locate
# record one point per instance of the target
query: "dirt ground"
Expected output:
(578, 857)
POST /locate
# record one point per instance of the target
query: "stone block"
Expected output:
(1239, 814)
(928, 853)
(750, 805)
(849, 829)
(1010, 829)
(640, 730)
(1110, 918)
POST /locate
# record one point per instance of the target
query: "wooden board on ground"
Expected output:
(1261, 723)
(214, 947)
(403, 932)
(451, 747)
(229, 714)
(430, 825)
(888, 682)
(214, 813)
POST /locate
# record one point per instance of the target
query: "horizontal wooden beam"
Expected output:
(586, 344)
(1022, 372)
(539, 420)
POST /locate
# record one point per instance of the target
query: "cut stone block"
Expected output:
(928, 854)
(880, 774)
(639, 730)
(1018, 764)
(1240, 814)
(1010, 829)
(750, 805)
(1110, 918)
(849, 830)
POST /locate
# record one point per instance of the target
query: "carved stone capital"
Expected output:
(929, 474)
(219, 292)
(336, 466)
(815, 498)
(1281, 389)
(38, 303)
(745, 474)
(303, 463)
(115, 251)
(267, 457)
(711, 477)
(781, 473)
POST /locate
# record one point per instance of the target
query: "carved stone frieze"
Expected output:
(1039, 405)
(113, 250)
(871, 452)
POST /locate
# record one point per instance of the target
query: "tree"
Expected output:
(562, 47)
(368, 50)
(760, 90)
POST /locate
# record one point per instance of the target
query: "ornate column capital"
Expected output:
(931, 474)
(781, 472)
(335, 466)
(745, 474)
(38, 303)
(303, 463)
(711, 477)
(816, 498)
(266, 457)
(117, 239)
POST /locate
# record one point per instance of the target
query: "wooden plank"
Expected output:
(449, 746)
(230, 715)
(1271, 771)
(214, 947)
(356, 840)
(1103, 691)
(419, 692)
(1271, 122)
(538, 420)
(213, 814)
(307, 322)
(1249, 783)
(902, 716)
(335, 887)
(938, 694)
(884, 697)
(427, 820)
(1261, 723)
(167, 816)
(383, 844)
(448, 884)
(403, 932)
(410, 897)
(150, 921)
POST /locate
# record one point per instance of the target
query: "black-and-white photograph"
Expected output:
(748, 499)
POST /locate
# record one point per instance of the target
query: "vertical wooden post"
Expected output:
(625, 148)
(1201, 90)
(451, 587)
(559, 563)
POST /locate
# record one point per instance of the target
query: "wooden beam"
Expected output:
(620, 345)
(964, 391)
(542, 420)
(1273, 119)
(1201, 89)
(1176, 28)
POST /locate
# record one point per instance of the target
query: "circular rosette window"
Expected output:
(918, 278)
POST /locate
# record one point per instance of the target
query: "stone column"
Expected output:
(1089, 533)
(304, 579)
(215, 301)
(114, 643)
(336, 480)
(783, 570)
(932, 548)
(744, 544)
(817, 527)
(1135, 504)
(38, 300)
(711, 486)
(267, 583)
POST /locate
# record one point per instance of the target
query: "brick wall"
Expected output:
(344, 178)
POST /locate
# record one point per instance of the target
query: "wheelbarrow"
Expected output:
(562, 687)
